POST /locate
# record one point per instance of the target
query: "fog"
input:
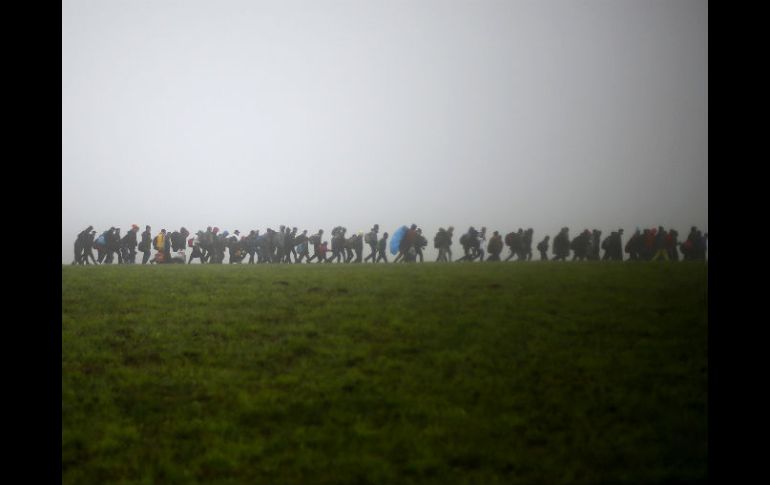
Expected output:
(505, 114)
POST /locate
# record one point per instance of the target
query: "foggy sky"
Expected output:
(247, 115)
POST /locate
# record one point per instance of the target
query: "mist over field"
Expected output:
(247, 115)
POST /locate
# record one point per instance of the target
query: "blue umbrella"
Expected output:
(395, 240)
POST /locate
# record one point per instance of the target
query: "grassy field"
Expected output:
(454, 373)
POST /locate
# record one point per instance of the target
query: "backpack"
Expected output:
(509, 238)
(368, 239)
(464, 239)
(190, 242)
(315, 239)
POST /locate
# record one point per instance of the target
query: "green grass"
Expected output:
(455, 373)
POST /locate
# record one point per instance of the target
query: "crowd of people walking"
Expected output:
(287, 245)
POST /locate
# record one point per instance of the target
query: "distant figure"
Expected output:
(159, 243)
(526, 245)
(479, 249)
(144, 244)
(167, 248)
(606, 244)
(382, 246)
(88, 246)
(617, 246)
(338, 244)
(128, 245)
(250, 246)
(672, 244)
(579, 246)
(419, 244)
(660, 245)
(265, 246)
(561, 245)
(495, 247)
(315, 240)
(354, 246)
(235, 248)
(542, 246)
(207, 245)
(469, 241)
(113, 246)
(371, 240)
(322, 248)
(218, 246)
(406, 250)
(700, 246)
(595, 245)
(195, 243)
(449, 233)
(441, 241)
(291, 243)
(80, 242)
(514, 241)
(302, 246)
(633, 246)
(648, 246)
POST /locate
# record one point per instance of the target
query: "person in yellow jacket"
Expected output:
(159, 244)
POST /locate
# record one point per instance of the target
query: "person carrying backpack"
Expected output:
(302, 245)
(128, 245)
(468, 241)
(100, 244)
(514, 242)
(113, 246)
(542, 246)
(80, 245)
(407, 244)
(371, 240)
(495, 247)
(315, 240)
(448, 246)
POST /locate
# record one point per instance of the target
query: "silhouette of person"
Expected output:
(419, 244)
(542, 246)
(80, 245)
(371, 240)
(128, 245)
(145, 243)
(382, 246)
(495, 247)
(561, 245)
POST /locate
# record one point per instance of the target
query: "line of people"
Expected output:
(288, 246)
